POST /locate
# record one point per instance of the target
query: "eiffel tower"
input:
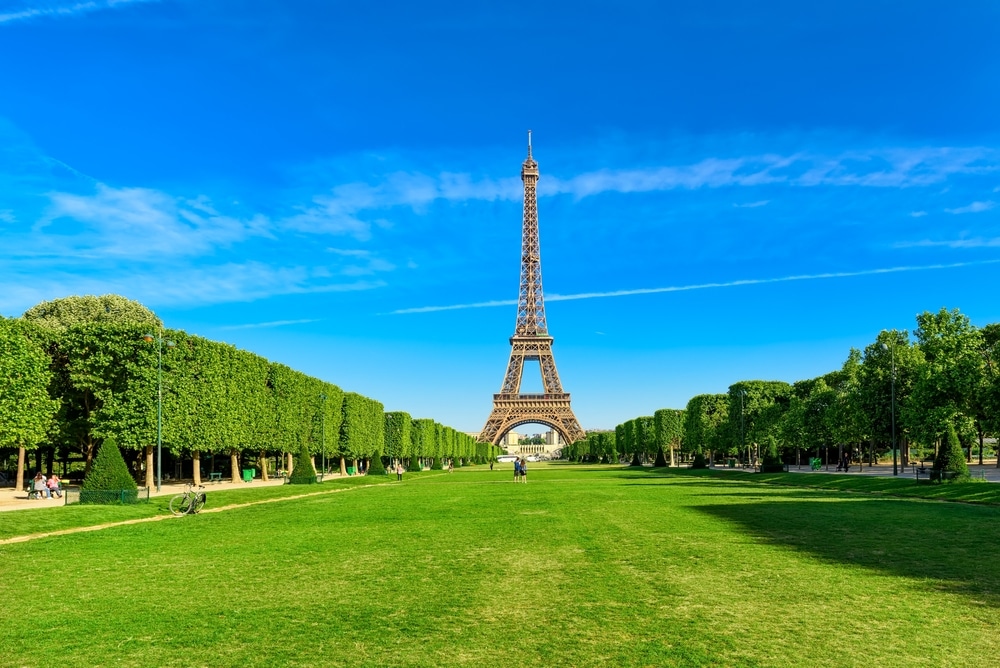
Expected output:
(531, 342)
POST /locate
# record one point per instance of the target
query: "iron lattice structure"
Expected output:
(531, 342)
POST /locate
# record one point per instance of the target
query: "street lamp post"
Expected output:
(892, 403)
(323, 423)
(743, 394)
(149, 338)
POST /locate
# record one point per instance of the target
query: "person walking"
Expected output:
(399, 472)
(517, 469)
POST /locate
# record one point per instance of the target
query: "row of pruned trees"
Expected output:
(947, 376)
(657, 437)
(78, 371)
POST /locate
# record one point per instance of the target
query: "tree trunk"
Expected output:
(88, 455)
(982, 439)
(673, 461)
(21, 456)
(150, 478)
(234, 465)
(50, 454)
(291, 463)
(343, 467)
(196, 467)
(263, 466)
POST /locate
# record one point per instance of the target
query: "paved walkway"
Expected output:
(11, 499)
(988, 471)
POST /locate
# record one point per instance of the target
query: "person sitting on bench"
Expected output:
(39, 488)
(53, 485)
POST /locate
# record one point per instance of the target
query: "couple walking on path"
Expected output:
(520, 470)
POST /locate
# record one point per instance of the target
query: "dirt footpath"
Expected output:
(11, 499)
(158, 518)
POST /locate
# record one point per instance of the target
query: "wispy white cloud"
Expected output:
(975, 242)
(338, 212)
(7, 216)
(62, 9)
(347, 208)
(753, 205)
(176, 285)
(275, 323)
(700, 286)
(137, 222)
(918, 214)
(975, 207)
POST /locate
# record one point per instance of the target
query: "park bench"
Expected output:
(32, 492)
(921, 470)
(215, 476)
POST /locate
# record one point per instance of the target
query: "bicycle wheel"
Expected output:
(180, 504)
(199, 502)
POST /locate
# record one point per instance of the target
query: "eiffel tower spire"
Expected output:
(530, 303)
(531, 341)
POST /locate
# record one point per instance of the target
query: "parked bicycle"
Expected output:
(189, 502)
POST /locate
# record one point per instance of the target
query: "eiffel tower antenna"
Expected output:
(531, 342)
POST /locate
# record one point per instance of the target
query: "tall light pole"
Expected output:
(892, 403)
(149, 338)
(743, 394)
(322, 419)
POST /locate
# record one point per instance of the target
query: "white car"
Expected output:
(533, 458)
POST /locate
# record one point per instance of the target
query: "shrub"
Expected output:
(414, 466)
(771, 461)
(109, 473)
(303, 473)
(376, 467)
(437, 465)
(699, 461)
(950, 457)
(661, 460)
(635, 460)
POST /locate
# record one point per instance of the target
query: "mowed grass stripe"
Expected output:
(606, 567)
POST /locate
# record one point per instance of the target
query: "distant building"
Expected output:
(550, 443)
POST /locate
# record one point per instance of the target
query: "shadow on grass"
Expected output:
(954, 547)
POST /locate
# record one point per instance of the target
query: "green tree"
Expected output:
(706, 424)
(61, 314)
(946, 385)
(26, 411)
(756, 408)
(398, 443)
(668, 431)
(950, 457)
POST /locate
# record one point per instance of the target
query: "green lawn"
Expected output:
(582, 566)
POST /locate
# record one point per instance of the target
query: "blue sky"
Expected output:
(728, 190)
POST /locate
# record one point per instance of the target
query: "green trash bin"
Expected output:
(731, 463)
(815, 463)
(248, 474)
(351, 470)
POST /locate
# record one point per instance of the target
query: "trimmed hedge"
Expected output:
(303, 473)
(109, 471)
